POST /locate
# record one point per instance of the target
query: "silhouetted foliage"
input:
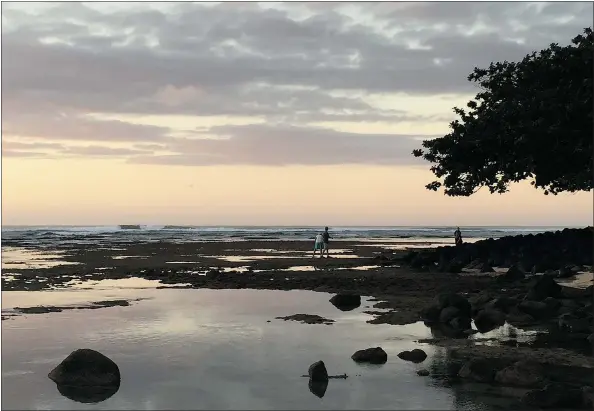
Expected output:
(532, 120)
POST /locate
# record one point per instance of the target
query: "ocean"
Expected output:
(39, 235)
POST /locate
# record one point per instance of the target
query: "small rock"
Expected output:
(371, 355)
(317, 372)
(307, 319)
(417, 355)
(346, 302)
(489, 319)
(423, 373)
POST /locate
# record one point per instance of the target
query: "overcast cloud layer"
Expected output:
(73, 73)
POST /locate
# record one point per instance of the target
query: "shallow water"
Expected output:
(17, 258)
(250, 258)
(214, 349)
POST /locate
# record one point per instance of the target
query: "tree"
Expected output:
(531, 120)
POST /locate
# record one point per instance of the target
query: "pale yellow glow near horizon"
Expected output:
(81, 191)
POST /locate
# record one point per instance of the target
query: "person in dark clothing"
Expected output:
(326, 238)
(458, 236)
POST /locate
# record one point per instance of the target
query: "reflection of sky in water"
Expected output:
(274, 251)
(16, 257)
(214, 349)
(248, 258)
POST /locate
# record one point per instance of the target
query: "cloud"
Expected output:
(278, 145)
(291, 65)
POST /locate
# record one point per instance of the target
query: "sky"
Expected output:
(256, 113)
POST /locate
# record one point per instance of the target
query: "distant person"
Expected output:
(326, 238)
(319, 245)
(458, 236)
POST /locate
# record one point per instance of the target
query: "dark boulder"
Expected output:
(552, 303)
(417, 355)
(554, 395)
(423, 373)
(213, 274)
(518, 318)
(454, 267)
(503, 304)
(447, 331)
(544, 287)
(479, 370)
(486, 268)
(475, 264)
(371, 355)
(479, 301)
(430, 314)
(446, 300)
(346, 302)
(565, 272)
(86, 367)
(317, 372)
(489, 319)
(461, 323)
(536, 309)
(514, 273)
(448, 314)
(521, 374)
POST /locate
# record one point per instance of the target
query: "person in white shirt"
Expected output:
(319, 245)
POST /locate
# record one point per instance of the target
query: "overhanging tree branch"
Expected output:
(531, 120)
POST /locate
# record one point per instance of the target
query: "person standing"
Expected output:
(319, 245)
(326, 239)
(458, 236)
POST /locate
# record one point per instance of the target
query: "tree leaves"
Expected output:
(532, 120)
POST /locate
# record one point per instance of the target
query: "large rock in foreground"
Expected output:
(86, 367)
(86, 376)
(317, 372)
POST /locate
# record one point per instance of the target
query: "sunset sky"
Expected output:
(255, 114)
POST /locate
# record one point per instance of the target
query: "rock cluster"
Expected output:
(562, 251)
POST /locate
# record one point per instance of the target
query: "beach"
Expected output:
(190, 319)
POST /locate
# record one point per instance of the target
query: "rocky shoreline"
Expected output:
(515, 280)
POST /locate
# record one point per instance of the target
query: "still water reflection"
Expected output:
(214, 349)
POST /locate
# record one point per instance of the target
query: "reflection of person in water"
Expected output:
(458, 236)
